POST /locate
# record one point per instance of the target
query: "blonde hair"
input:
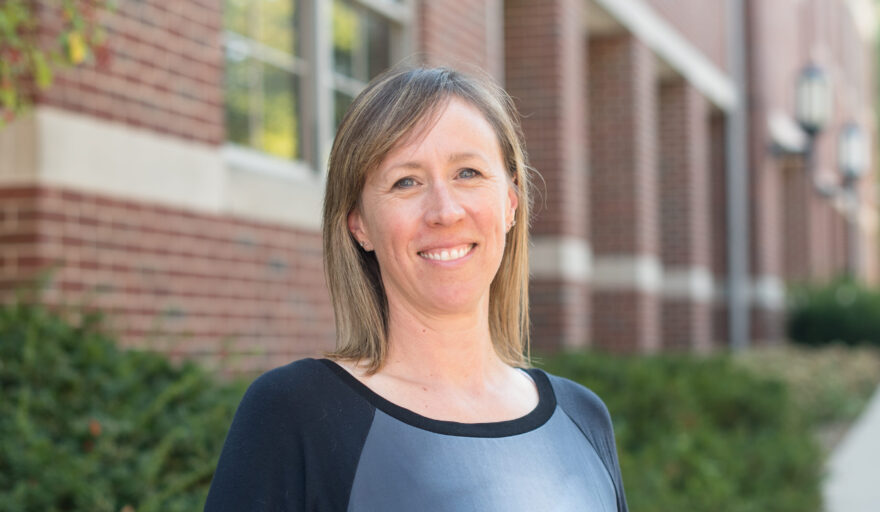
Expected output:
(390, 107)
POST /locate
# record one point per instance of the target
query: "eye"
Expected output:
(405, 183)
(468, 173)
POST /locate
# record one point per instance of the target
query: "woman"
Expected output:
(425, 404)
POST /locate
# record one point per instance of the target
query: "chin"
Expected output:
(453, 302)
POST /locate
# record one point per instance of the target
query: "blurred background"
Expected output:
(709, 197)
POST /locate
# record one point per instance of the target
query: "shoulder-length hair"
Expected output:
(390, 107)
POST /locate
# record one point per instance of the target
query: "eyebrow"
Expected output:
(455, 157)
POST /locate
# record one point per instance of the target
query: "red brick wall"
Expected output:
(623, 105)
(457, 33)
(625, 208)
(783, 39)
(163, 69)
(718, 185)
(242, 295)
(684, 178)
(627, 321)
(799, 224)
(546, 58)
(719, 230)
(559, 313)
(684, 136)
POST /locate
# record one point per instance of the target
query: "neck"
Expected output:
(441, 350)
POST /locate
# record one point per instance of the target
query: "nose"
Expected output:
(443, 206)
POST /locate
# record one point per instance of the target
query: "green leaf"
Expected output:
(8, 98)
(42, 72)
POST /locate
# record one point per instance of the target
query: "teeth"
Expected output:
(448, 254)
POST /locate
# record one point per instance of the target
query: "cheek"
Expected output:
(391, 230)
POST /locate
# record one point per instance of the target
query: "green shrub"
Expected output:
(830, 384)
(840, 311)
(702, 434)
(86, 426)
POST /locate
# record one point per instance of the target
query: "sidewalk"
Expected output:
(853, 482)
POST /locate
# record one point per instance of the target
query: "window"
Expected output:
(264, 70)
(361, 50)
(288, 82)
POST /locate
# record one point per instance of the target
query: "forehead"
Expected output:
(456, 127)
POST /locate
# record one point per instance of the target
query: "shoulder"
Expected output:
(289, 422)
(585, 409)
(591, 416)
(289, 384)
(306, 390)
(578, 401)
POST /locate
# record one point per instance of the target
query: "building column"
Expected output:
(798, 222)
(685, 244)
(545, 45)
(766, 246)
(719, 230)
(627, 273)
(464, 35)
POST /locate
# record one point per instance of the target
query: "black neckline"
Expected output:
(534, 419)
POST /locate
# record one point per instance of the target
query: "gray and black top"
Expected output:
(310, 436)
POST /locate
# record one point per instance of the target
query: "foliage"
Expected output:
(86, 426)
(702, 434)
(840, 311)
(25, 61)
(829, 384)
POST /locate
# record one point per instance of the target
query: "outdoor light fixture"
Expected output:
(813, 102)
(852, 153)
(813, 111)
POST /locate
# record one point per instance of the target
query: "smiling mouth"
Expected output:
(448, 254)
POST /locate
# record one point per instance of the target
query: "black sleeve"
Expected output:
(589, 413)
(293, 444)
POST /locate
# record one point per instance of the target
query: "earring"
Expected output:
(510, 226)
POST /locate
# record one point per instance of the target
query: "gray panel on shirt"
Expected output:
(553, 467)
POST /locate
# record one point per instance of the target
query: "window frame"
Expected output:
(318, 83)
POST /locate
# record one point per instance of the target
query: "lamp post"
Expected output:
(813, 110)
(852, 156)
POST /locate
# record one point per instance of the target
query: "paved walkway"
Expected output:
(853, 483)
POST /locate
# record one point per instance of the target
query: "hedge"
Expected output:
(702, 434)
(86, 426)
(839, 311)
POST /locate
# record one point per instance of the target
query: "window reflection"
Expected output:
(270, 74)
(361, 50)
(263, 75)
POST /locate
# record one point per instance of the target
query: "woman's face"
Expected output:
(436, 211)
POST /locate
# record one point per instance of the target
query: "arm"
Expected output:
(260, 467)
(591, 415)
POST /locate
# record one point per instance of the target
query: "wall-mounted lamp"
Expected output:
(852, 153)
(813, 100)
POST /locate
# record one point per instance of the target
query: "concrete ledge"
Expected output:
(623, 272)
(56, 147)
(565, 258)
(693, 283)
(767, 292)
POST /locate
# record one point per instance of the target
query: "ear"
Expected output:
(512, 202)
(356, 228)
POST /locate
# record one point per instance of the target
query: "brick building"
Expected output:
(177, 183)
